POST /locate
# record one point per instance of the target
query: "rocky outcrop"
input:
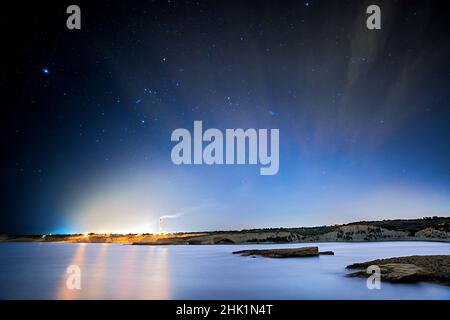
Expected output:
(327, 253)
(283, 253)
(434, 268)
(432, 233)
(247, 237)
(347, 233)
(359, 232)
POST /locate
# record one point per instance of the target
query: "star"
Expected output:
(45, 71)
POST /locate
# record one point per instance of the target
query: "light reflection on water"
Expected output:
(77, 260)
(113, 271)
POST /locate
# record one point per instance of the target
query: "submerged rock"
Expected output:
(281, 253)
(409, 269)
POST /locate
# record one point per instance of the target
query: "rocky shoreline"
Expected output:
(429, 268)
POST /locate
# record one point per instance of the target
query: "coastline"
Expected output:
(427, 229)
(226, 244)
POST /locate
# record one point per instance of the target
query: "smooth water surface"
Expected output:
(114, 271)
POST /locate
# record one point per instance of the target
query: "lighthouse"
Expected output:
(160, 225)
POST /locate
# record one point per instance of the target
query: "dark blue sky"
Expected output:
(363, 115)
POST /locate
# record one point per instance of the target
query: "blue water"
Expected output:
(113, 271)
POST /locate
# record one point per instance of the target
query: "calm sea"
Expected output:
(113, 271)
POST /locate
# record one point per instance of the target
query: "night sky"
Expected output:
(87, 115)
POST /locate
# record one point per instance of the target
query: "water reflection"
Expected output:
(125, 274)
(121, 272)
(156, 274)
(97, 277)
(78, 260)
